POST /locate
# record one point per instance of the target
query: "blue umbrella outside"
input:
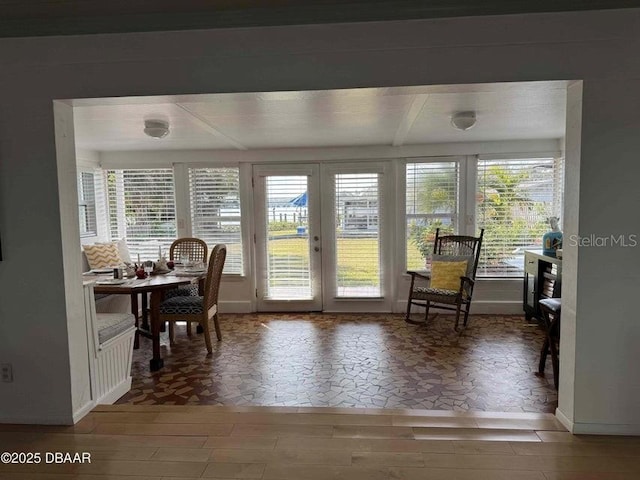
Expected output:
(299, 201)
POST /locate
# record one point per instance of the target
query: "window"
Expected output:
(357, 223)
(142, 209)
(432, 202)
(215, 211)
(87, 204)
(515, 198)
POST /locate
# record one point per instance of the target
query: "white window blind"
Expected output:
(142, 209)
(87, 204)
(215, 211)
(515, 198)
(357, 217)
(287, 243)
(432, 202)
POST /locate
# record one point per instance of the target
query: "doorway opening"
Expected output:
(325, 199)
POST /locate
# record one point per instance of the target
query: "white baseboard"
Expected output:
(114, 394)
(477, 307)
(497, 307)
(82, 411)
(564, 420)
(243, 306)
(605, 429)
(578, 428)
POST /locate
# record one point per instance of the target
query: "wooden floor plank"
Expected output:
(114, 467)
(234, 470)
(269, 418)
(292, 456)
(501, 435)
(361, 431)
(407, 473)
(366, 444)
(253, 430)
(389, 459)
(220, 430)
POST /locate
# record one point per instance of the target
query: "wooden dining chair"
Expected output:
(188, 249)
(199, 309)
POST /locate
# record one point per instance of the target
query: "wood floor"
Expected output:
(155, 442)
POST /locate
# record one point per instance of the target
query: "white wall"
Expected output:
(598, 47)
(600, 306)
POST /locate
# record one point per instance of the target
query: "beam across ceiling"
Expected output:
(22, 18)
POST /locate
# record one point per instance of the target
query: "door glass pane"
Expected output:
(288, 259)
(357, 220)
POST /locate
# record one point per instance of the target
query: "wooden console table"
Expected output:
(539, 268)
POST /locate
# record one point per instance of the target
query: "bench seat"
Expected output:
(110, 325)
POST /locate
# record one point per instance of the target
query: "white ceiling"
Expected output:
(327, 118)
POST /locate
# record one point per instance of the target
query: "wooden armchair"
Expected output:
(448, 248)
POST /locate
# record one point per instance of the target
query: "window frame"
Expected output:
(90, 206)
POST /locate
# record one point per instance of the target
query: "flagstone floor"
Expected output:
(352, 360)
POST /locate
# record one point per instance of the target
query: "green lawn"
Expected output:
(352, 270)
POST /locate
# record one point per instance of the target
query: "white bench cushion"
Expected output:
(111, 325)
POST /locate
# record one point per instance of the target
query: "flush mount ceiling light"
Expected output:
(463, 120)
(156, 128)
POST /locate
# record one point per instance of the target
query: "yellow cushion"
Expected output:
(102, 255)
(446, 275)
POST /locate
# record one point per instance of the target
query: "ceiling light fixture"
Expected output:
(463, 120)
(156, 128)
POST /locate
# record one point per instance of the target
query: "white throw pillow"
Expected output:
(123, 248)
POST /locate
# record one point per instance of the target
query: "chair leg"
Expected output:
(217, 325)
(466, 315)
(458, 306)
(207, 334)
(553, 349)
(408, 316)
(172, 333)
(427, 306)
(543, 356)
(189, 328)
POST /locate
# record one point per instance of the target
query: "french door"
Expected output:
(321, 241)
(288, 242)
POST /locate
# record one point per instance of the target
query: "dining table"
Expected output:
(155, 285)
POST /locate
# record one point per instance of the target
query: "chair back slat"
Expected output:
(214, 275)
(459, 245)
(188, 249)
